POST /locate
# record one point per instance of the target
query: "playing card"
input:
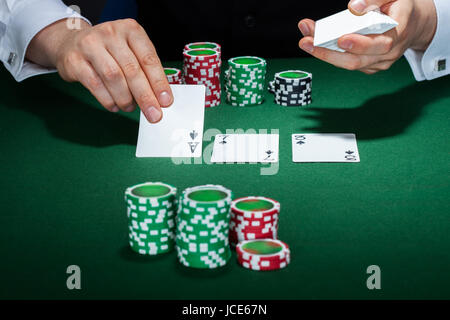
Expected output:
(180, 132)
(245, 148)
(330, 29)
(324, 147)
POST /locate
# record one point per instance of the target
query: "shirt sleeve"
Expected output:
(435, 61)
(20, 21)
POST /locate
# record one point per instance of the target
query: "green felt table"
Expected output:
(65, 163)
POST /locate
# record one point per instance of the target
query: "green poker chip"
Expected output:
(151, 212)
(245, 81)
(203, 226)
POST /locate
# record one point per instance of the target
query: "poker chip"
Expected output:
(263, 254)
(202, 231)
(292, 88)
(253, 218)
(203, 45)
(151, 211)
(245, 81)
(173, 75)
(202, 66)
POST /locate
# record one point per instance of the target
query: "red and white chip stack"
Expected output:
(202, 66)
(254, 218)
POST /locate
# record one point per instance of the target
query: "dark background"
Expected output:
(251, 27)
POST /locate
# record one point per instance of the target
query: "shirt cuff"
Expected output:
(435, 61)
(27, 19)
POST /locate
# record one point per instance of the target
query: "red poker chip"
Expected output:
(255, 232)
(255, 215)
(253, 224)
(264, 263)
(239, 238)
(285, 256)
(262, 268)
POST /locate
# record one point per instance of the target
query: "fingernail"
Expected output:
(346, 44)
(304, 29)
(165, 99)
(130, 108)
(358, 5)
(115, 109)
(308, 47)
(153, 114)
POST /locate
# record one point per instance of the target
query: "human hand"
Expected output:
(115, 61)
(372, 53)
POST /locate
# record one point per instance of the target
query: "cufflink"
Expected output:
(12, 58)
(441, 65)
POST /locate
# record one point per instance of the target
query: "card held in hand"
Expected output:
(179, 134)
(330, 29)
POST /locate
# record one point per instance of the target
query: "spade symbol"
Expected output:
(193, 146)
(300, 142)
(193, 134)
(223, 139)
(269, 153)
(349, 152)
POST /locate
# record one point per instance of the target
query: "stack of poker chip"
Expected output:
(203, 227)
(203, 45)
(254, 218)
(292, 88)
(173, 75)
(263, 254)
(202, 66)
(245, 81)
(151, 211)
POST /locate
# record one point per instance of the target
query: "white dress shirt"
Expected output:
(435, 61)
(21, 20)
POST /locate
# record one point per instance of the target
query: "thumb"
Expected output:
(360, 7)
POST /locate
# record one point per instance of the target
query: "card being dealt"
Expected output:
(324, 147)
(245, 148)
(330, 29)
(179, 134)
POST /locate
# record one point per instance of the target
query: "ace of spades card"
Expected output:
(179, 134)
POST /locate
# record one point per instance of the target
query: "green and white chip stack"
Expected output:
(245, 81)
(203, 226)
(151, 210)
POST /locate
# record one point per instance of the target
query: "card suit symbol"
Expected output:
(349, 152)
(269, 154)
(223, 139)
(193, 146)
(301, 142)
(193, 134)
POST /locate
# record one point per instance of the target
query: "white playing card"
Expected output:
(324, 147)
(330, 29)
(180, 132)
(245, 148)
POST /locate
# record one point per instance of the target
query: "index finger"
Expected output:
(148, 58)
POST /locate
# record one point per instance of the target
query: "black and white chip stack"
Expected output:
(292, 88)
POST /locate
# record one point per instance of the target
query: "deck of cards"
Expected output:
(330, 29)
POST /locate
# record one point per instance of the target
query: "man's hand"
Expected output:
(417, 25)
(115, 61)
